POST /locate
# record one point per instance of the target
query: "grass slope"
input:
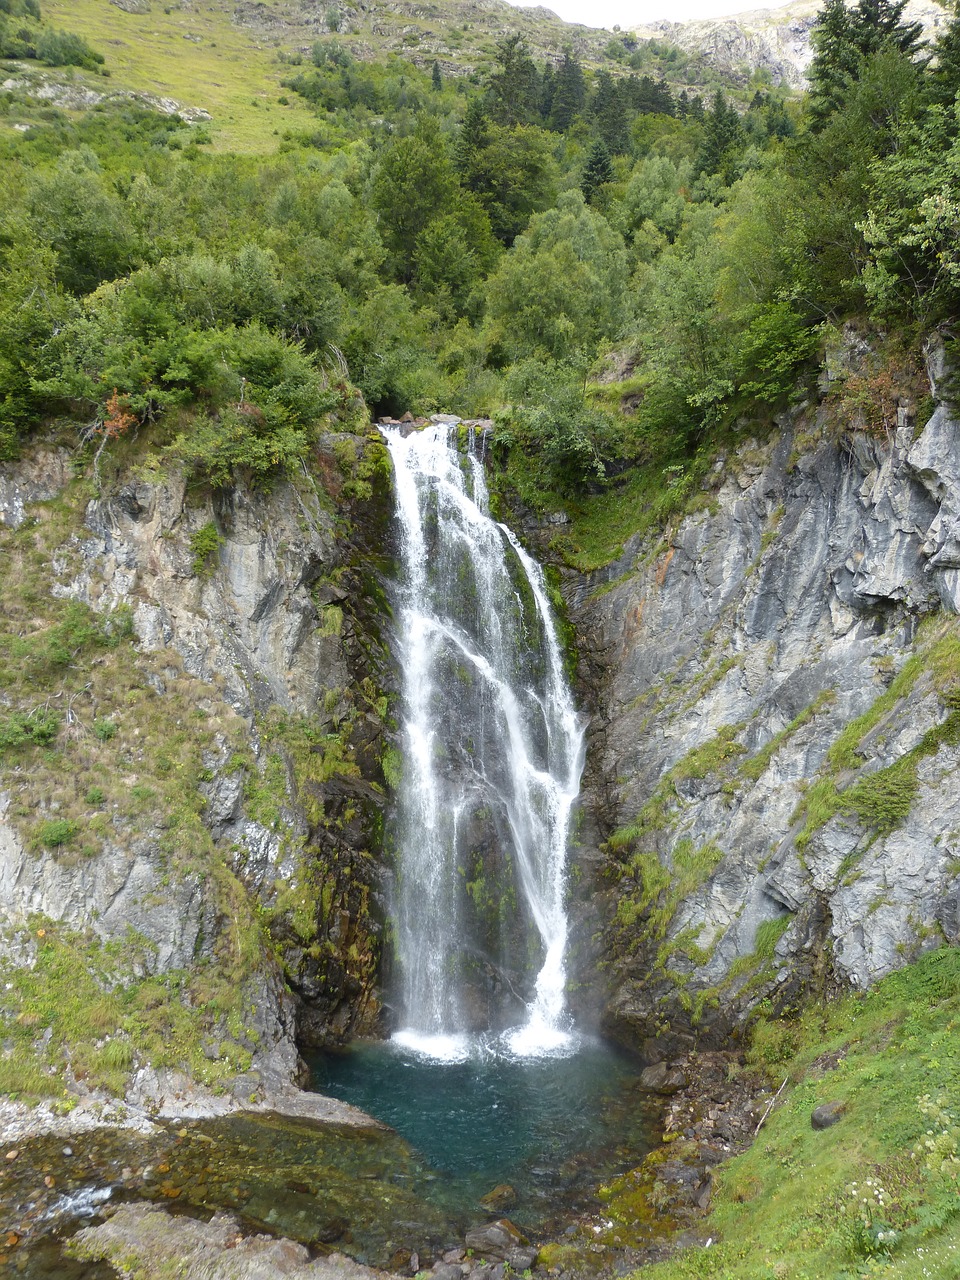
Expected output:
(199, 57)
(878, 1193)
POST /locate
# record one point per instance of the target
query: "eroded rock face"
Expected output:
(723, 665)
(270, 602)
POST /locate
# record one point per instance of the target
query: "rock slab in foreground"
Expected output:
(144, 1243)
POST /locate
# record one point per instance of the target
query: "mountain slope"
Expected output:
(774, 40)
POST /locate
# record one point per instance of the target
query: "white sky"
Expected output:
(632, 13)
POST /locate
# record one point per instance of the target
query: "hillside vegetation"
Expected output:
(475, 245)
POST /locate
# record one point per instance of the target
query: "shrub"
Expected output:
(204, 545)
(55, 832)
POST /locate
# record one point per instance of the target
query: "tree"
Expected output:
(473, 138)
(414, 182)
(843, 38)
(570, 93)
(597, 171)
(514, 86)
(435, 77)
(562, 286)
(514, 174)
(722, 139)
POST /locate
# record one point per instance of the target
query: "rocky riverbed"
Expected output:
(262, 1194)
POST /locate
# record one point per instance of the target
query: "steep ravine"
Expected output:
(771, 800)
(769, 805)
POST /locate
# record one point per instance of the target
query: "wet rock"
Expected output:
(446, 1271)
(827, 1114)
(494, 1239)
(662, 1078)
(154, 1245)
(520, 1259)
(500, 1198)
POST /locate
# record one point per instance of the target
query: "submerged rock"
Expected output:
(500, 1198)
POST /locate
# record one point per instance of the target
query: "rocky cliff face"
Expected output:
(770, 801)
(775, 737)
(776, 40)
(257, 616)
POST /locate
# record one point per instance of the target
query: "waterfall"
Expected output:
(492, 755)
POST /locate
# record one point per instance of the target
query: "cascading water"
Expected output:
(492, 756)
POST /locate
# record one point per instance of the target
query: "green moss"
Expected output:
(83, 1002)
(391, 762)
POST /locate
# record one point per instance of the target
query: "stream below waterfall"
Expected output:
(554, 1129)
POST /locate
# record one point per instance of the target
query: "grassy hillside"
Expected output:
(875, 1195)
(197, 56)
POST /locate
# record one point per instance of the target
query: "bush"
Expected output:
(36, 728)
(56, 832)
(64, 49)
(104, 729)
(204, 546)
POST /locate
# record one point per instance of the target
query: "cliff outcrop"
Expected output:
(775, 738)
(192, 794)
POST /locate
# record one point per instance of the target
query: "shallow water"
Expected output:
(552, 1128)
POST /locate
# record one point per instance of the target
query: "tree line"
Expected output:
(480, 246)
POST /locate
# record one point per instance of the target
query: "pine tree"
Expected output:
(722, 135)
(515, 86)
(474, 136)
(436, 77)
(570, 93)
(843, 38)
(878, 23)
(597, 171)
(834, 63)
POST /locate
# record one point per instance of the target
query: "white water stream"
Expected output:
(492, 756)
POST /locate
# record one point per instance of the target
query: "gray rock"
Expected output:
(494, 1239)
(827, 1114)
(447, 1271)
(156, 1245)
(778, 615)
(661, 1078)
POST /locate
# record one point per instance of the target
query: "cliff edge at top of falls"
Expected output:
(771, 795)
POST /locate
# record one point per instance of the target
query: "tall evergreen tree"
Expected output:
(436, 78)
(473, 138)
(843, 38)
(597, 171)
(570, 93)
(722, 137)
(514, 87)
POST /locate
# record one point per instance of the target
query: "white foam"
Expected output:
(436, 1048)
(79, 1204)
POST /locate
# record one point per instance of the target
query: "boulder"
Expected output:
(827, 1114)
(662, 1078)
(495, 1239)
